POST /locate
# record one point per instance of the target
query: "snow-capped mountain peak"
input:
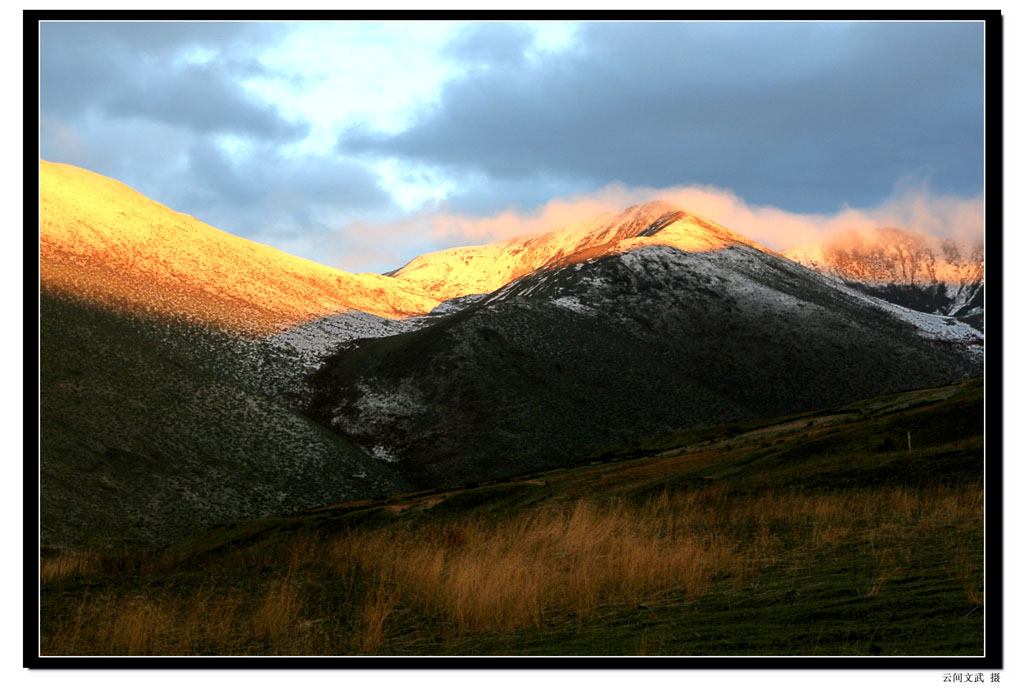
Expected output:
(926, 273)
(481, 269)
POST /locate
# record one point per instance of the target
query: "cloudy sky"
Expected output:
(361, 145)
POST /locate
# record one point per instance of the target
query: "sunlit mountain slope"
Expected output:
(886, 254)
(482, 269)
(107, 244)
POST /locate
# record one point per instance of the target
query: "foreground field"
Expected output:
(821, 534)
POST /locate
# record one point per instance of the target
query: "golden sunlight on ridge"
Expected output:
(478, 269)
(885, 254)
(103, 242)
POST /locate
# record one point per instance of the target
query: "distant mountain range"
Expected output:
(934, 275)
(189, 377)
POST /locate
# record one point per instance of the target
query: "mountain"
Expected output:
(467, 270)
(171, 364)
(189, 377)
(929, 274)
(102, 242)
(629, 336)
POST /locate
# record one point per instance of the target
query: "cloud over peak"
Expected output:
(916, 210)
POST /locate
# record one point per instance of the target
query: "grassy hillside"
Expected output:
(820, 533)
(150, 432)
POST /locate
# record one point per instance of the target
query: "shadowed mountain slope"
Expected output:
(815, 534)
(149, 432)
(162, 409)
(626, 345)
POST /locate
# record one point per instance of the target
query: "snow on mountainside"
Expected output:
(483, 269)
(103, 242)
(744, 273)
(151, 429)
(622, 345)
(925, 273)
(278, 365)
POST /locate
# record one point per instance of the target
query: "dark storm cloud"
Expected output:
(292, 186)
(202, 99)
(804, 116)
(136, 70)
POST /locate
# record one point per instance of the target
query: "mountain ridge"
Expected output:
(464, 270)
(104, 242)
(166, 359)
(926, 273)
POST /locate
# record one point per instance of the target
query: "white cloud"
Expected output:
(336, 74)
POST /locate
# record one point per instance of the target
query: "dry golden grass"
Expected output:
(372, 615)
(130, 625)
(552, 565)
(279, 612)
(69, 565)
